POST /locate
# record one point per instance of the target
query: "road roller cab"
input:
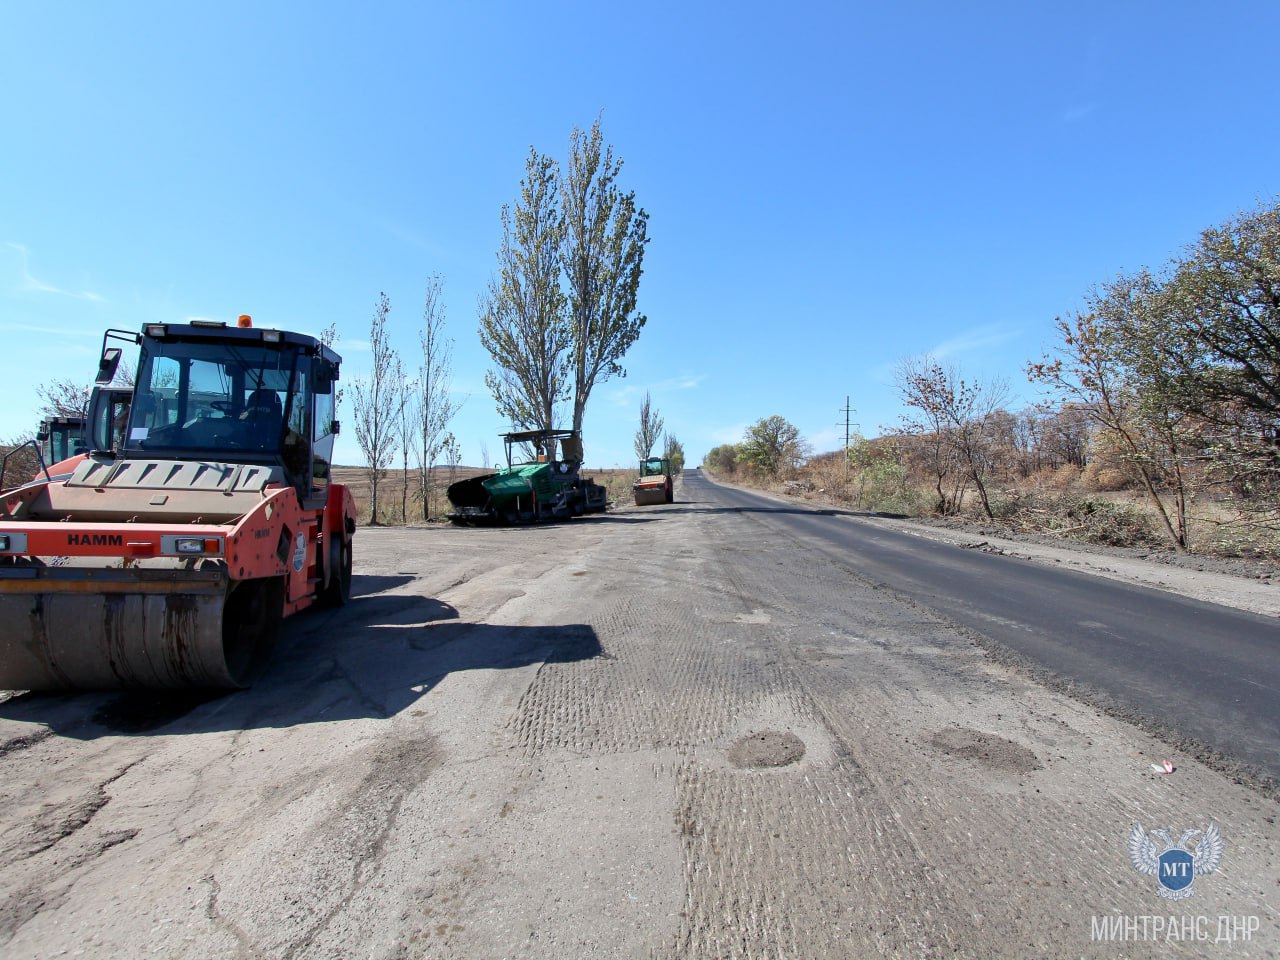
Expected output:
(203, 514)
(654, 485)
(60, 438)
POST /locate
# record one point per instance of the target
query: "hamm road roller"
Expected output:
(201, 516)
(654, 484)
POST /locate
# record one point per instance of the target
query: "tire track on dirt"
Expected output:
(774, 862)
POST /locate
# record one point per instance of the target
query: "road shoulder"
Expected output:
(1254, 595)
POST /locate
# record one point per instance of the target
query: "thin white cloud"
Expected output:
(54, 331)
(31, 285)
(826, 440)
(632, 392)
(974, 339)
(883, 373)
(414, 239)
(730, 434)
(1078, 112)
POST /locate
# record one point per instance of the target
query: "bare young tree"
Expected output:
(650, 428)
(434, 406)
(959, 414)
(65, 398)
(604, 243)
(452, 451)
(406, 430)
(523, 323)
(377, 405)
(329, 337)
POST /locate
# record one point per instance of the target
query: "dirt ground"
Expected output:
(653, 733)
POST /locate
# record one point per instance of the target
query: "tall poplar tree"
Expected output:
(523, 321)
(603, 252)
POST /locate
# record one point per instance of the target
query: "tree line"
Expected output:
(399, 413)
(556, 318)
(1166, 381)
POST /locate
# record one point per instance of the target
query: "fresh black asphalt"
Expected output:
(1193, 669)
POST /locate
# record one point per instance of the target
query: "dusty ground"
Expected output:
(657, 733)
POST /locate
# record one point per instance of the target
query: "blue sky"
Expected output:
(831, 187)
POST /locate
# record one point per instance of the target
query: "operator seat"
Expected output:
(264, 415)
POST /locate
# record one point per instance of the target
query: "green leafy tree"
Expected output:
(524, 323)
(1210, 331)
(603, 256)
(721, 459)
(1222, 310)
(673, 450)
(771, 445)
(1101, 366)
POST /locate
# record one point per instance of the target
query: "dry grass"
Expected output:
(1065, 502)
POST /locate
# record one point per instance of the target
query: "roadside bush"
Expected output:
(1101, 521)
(1016, 507)
(23, 463)
(1061, 478)
(883, 486)
(1074, 517)
(1105, 477)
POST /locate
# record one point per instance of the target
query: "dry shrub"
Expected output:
(22, 464)
(1089, 519)
(1103, 476)
(831, 477)
(1061, 478)
(1105, 522)
(1224, 530)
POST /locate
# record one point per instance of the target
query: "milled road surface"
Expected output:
(1205, 671)
(663, 732)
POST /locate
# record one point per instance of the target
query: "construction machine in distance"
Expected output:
(60, 438)
(654, 484)
(542, 488)
(202, 515)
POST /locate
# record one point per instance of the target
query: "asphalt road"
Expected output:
(1195, 669)
(675, 732)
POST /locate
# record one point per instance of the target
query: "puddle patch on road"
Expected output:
(986, 748)
(767, 748)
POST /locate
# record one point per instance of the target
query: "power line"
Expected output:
(849, 426)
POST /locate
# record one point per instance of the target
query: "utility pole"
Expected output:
(847, 410)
